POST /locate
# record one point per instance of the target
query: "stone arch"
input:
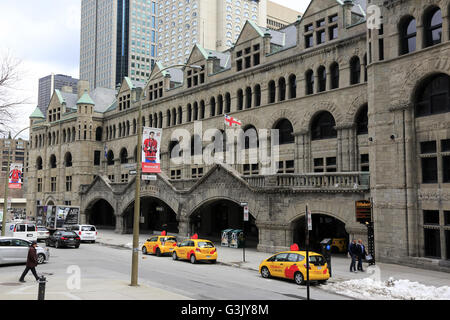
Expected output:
(50, 199)
(356, 104)
(283, 114)
(318, 107)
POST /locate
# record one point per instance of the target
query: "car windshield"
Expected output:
(68, 233)
(31, 227)
(204, 244)
(168, 239)
(88, 228)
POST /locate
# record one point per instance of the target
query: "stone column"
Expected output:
(345, 147)
(420, 40)
(183, 225)
(300, 152)
(119, 224)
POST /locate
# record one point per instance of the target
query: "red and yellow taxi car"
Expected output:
(159, 245)
(195, 250)
(292, 265)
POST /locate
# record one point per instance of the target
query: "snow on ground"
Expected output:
(370, 289)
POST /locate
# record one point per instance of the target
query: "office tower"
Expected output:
(50, 83)
(213, 24)
(118, 39)
(279, 16)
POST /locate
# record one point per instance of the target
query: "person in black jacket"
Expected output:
(353, 251)
(362, 253)
(32, 262)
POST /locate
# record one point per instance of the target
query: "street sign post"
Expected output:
(149, 177)
(245, 218)
(308, 227)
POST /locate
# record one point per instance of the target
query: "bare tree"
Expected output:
(9, 98)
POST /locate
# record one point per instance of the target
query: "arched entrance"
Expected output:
(101, 215)
(212, 217)
(156, 215)
(323, 226)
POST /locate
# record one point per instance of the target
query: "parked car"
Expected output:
(14, 250)
(292, 265)
(339, 245)
(159, 245)
(42, 233)
(195, 250)
(63, 239)
(21, 229)
(86, 232)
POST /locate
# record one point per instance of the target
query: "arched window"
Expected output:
(52, 161)
(98, 134)
(257, 95)
(73, 134)
(172, 146)
(180, 115)
(110, 158)
(322, 126)
(240, 99)
(212, 106)
(64, 136)
(250, 137)
(174, 116)
(355, 70)
(281, 89)
(160, 116)
(128, 128)
(322, 78)
(248, 98)
(408, 35)
(334, 73)
(155, 119)
(39, 163)
(285, 132)
(120, 130)
(135, 125)
(433, 26)
(195, 111)
(68, 159)
(189, 112)
(272, 93)
(433, 97)
(168, 118)
(220, 104)
(362, 121)
(227, 102)
(196, 145)
(292, 86)
(123, 156)
(309, 79)
(202, 110)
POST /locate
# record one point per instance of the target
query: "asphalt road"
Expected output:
(202, 281)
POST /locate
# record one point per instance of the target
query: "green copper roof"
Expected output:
(37, 113)
(130, 84)
(85, 99)
(59, 95)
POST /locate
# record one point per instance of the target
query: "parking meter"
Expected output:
(325, 245)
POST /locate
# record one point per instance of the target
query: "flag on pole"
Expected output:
(232, 122)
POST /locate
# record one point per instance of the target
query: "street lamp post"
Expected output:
(5, 204)
(137, 197)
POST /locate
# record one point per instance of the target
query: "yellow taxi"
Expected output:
(195, 250)
(159, 245)
(292, 265)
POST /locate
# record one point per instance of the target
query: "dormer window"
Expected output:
(195, 77)
(155, 91)
(244, 57)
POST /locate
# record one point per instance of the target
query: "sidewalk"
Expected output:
(340, 264)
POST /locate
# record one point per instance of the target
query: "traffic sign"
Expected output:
(149, 177)
(132, 172)
(309, 220)
(245, 213)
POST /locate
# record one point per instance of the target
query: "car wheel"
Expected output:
(213, 261)
(298, 277)
(193, 259)
(77, 246)
(47, 243)
(265, 273)
(174, 256)
(323, 281)
(158, 252)
(40, 258)
(93, 241)
(144, 250)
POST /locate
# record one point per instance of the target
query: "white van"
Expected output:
(21, 230)
(86, 232)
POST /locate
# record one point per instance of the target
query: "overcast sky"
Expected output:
(45, 36)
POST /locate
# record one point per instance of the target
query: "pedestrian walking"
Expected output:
(32, 262)
(362, 253)
(353, 251)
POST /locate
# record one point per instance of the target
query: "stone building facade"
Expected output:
(350, 94)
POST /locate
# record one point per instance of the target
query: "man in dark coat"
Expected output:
(362, 253)
(32, 262)
(353, 251)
